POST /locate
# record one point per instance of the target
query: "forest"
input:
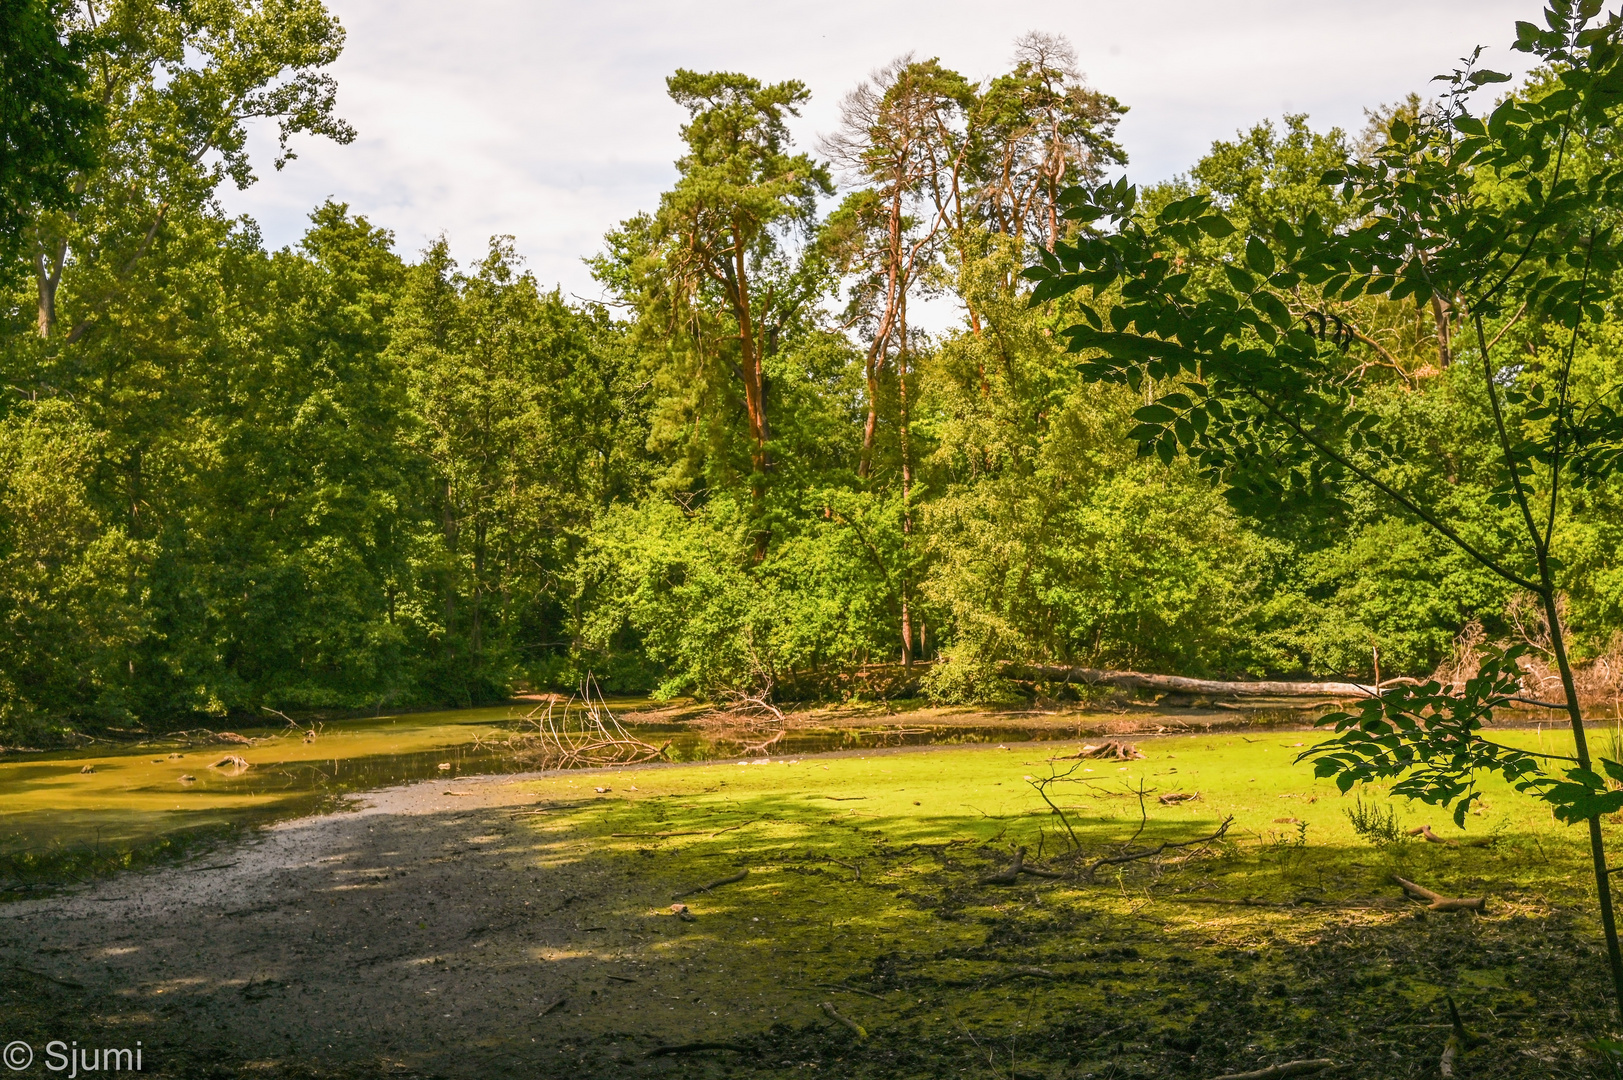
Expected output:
(347, 477)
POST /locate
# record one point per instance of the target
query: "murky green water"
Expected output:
(50, 804)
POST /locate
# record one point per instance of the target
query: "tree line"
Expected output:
(342, 476)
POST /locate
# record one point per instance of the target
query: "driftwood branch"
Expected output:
(1152, 852)
(1439, 902)
(1287, 1068)
(740, 876)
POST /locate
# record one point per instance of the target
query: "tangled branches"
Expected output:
(581, 733)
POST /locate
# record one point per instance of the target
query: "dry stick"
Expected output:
(555, 1005)
(1115, 859)
(740, 876)
(1439, 902)
(855, 868)
(1287, 1068)
(730, 828)
(835, 1014)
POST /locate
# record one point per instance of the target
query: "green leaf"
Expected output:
(1238, 278)
(1215, 226)
(1480, 78)
(1155, 414)
(1273, 307)
(1258, 257)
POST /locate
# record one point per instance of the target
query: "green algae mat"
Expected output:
(869, 883)
(847, 916)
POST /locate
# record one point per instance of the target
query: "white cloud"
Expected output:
(549, 120)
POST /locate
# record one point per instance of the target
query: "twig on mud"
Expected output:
(1287, 1068)
(1439, 902)
(855, 868)
(554, 1006)
(1151, 852)
(740, 876)
(697, 1048)
(835, 1014)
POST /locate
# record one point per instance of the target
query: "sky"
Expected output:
(548, 121)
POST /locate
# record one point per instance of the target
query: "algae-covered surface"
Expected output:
(111, 806)
(502, 926)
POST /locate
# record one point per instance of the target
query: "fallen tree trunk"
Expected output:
(1178, 684)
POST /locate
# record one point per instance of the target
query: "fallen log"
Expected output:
(1287, 1068)
(1178, 684)
(1439, 902)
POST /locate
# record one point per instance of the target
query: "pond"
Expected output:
(115, 798)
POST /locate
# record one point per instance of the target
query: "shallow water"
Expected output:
(138, 793)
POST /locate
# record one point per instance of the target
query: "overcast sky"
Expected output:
(548, 120)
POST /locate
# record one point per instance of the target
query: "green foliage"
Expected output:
(47, 121)
(69, 600)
